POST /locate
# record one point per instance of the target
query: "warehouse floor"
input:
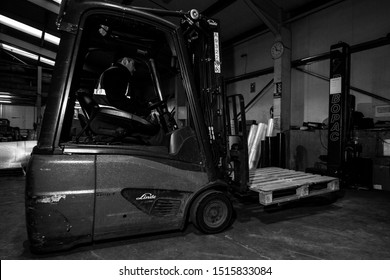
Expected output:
(357, 226)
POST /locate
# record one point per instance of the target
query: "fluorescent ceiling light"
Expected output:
(28, 29)
(5, 93)
(57, 1)
(51, 38)
(4, 96)
(47, 61)
(26, 54)
(20, 26)
(5, 101)
(19, 51)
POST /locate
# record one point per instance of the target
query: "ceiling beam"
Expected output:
(268, 12)
(296, 14)
(311, 8)
(256, 31)
(8, 76)
(217, 7)
(23, 90)
(48, 5)
(27, 46)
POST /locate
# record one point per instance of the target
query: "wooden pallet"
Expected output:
(276, 185)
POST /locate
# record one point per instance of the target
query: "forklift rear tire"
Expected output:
(211, 212)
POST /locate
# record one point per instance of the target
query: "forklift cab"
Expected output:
(96, 172)
(99, 121)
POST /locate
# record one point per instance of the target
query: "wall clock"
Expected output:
(277, 50)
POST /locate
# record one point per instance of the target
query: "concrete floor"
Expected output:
(356, 226)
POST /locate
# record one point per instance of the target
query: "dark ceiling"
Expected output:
(239, 19)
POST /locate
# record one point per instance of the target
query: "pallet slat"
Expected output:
(276, 185)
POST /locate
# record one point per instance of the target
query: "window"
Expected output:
(96, 110)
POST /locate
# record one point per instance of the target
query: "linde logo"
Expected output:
(146, 196)
(212, 22)
(334, 124)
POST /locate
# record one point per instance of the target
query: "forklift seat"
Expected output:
(184, 146)
(109, 121)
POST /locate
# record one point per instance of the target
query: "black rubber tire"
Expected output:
(211, 212)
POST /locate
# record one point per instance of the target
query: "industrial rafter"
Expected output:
(48, 5)
(268, 12)
(294, 15)
(217, 7)
(27, 46)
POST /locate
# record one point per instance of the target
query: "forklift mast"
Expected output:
(203, 44)
(224, 115)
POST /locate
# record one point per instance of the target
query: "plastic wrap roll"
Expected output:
(263, 132)
(270, 127)
(251, 137)
(255, 151)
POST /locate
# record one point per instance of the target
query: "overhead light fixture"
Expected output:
(5, 97)
(51, 38)
(47, 61)
(26, 54)
(18, 51)
(20, 26)
(57, 1)
(28, 29)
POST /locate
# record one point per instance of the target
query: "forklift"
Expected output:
(95, 176)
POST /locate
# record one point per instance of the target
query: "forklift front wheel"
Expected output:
(211, 212)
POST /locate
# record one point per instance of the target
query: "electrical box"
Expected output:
(253, 87)
(382, 111)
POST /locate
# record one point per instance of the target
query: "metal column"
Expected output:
(340, 108)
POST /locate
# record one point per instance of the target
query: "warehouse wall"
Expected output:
(351, 21)
(354, 22)
(245, 58)
(19, 116)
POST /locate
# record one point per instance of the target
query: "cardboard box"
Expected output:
(381, 177)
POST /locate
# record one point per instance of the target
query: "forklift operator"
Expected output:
(118, 83)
